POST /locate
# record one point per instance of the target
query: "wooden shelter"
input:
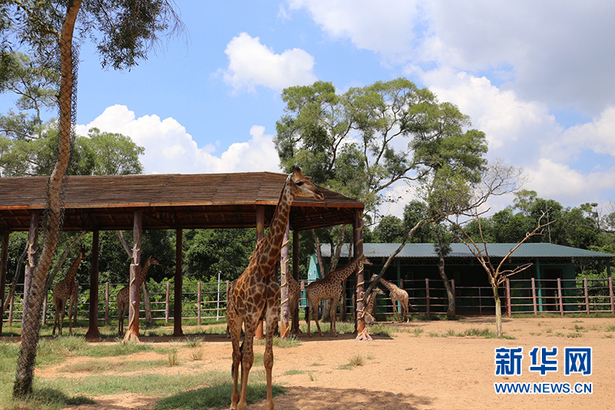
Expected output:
(174, 201)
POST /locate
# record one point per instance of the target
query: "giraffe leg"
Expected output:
(333, 315)
(234, 324)
(272, 320)
(120, 320)
(70, 317)
(316, 319)
(61, 319)
(308, 313)
(247, 359)
(56, 316)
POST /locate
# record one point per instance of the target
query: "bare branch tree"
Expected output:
(495, 274)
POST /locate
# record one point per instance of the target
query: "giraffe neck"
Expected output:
(391, 287)
(144, 270)
(268, 251)
(70, 275)
(342, 274)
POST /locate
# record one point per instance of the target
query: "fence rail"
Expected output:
(204, 301)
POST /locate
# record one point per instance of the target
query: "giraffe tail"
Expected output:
(307, 312)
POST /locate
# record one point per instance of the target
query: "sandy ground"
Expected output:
(410, 371)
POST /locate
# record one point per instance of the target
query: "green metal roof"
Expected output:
(459, 250)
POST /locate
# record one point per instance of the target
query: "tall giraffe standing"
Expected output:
(64, 290)
(397, 295)
(370, 304)
(294, 294)
(123, 295)
(255, 295)
(330, 287)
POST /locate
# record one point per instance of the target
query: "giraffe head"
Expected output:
(302, 186)
(153, 261)
(366, 261)
(82, 251)
(378, 291)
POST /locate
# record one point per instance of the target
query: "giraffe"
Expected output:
(330, 287)
(397, 295)
(255, 295)
(294, 294)
(370, 304)
(123, 296)
(63, 291)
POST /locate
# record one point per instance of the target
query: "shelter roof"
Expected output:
(459, 250)
(169, 201)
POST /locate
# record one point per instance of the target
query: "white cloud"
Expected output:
(598, 135)
(253, 64)
(384, 26)
(170, 149)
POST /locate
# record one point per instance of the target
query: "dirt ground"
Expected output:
(415, 369)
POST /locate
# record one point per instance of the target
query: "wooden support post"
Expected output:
(427, 298)
(93, 333)
(166, 304)
(534, 296)
(360, 277)
(560, 298)
(508, 304)
(260, 234)
(611, 295)
(31, 262)
(107, 297)
(586, 292)
(135, 273)
(285, 294)
(4, 257)
(198, 303)
(296, 241)
(178, 289)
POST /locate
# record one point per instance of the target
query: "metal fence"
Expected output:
(207, 300)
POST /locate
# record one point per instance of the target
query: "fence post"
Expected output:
(560, 298)
(508, 304)
(611, 295)
(218, 300)
(11, 308)
(167, 300)
(198, 303)
(426, 297)
(454, 295)
(534, 296)
(586, 295)
(107, 298)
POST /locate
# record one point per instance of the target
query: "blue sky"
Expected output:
(536, 77)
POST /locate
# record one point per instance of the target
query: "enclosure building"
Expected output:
(550, 284)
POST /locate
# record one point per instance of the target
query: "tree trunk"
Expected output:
(31, 320)
(498, 311)
(451, 309)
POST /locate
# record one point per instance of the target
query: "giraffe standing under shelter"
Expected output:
(397, 295)
(255, 295)
(123, 296)
(330, 287)
(63, 291)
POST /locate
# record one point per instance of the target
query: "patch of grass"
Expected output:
(609, 329)
(486, 333)
(117, 349)
(193, 341)
(47, 399)
(293, 372)
(196, 355)
(450, 332)
(384, 330)
(574, 335)
(98, 366)
(418, 331)
(354, 361)
(434, 334)
(579, 329)
(173, 360)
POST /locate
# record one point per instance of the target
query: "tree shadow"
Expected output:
(319, 398)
